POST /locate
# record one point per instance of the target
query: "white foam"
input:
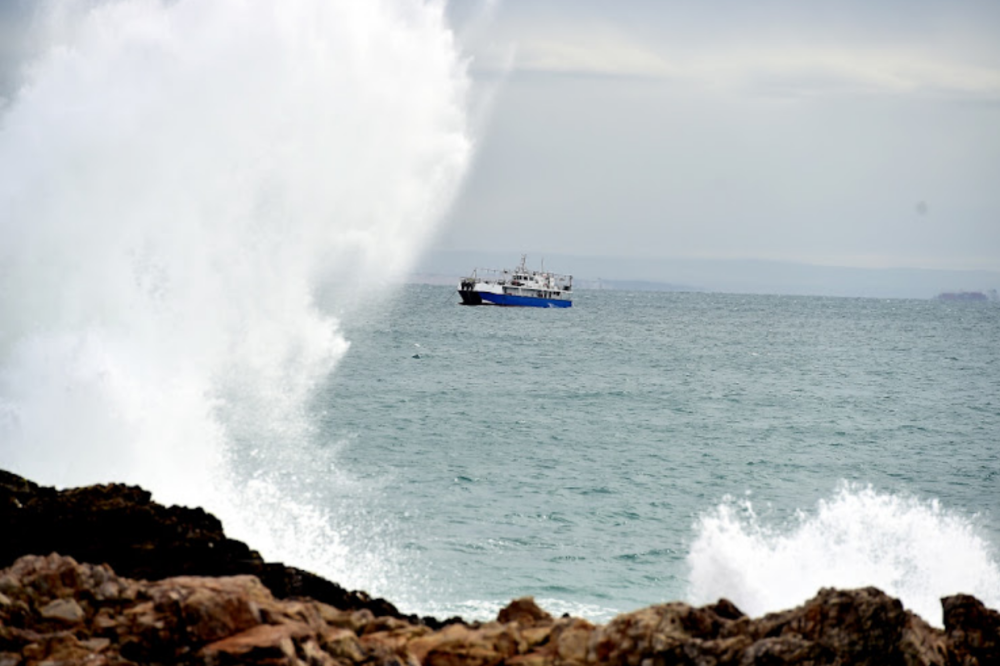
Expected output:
(483, 610)
(912, 549)
(176, 177)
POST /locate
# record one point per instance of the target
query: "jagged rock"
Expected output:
(860, 626)
(66, 611)
(54, 610)
(60, 611)
(973, 630)
(120, 525)
(525, 612)
(922, 644)
(262, 643)
(570, 641)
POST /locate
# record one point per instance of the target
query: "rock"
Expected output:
(60, 611)
(342, 644)
(786, 650)
(210, 609)
(922, 644)
(67, 611)
(121, 526)
(55, 609)
(259, 644)
(525, 612)
(570, 641)
(859, 626)
(973, 630)
(666, 630)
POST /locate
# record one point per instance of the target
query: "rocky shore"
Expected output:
(103, 575)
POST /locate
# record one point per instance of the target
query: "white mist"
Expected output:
(176, 177)
(911, 549)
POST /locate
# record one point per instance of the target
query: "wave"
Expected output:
(910, 548)
(177, 177)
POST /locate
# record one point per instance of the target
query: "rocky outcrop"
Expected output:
(138, 583)
(121, 526)
(973, 630)
(54, 610)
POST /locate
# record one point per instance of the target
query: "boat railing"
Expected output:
(524, 277)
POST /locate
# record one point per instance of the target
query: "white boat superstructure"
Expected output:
(518, 287)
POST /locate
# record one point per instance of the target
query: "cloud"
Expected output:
(795, 70)
(774, 49)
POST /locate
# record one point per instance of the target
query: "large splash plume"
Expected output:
(176, 177)
(912, 549)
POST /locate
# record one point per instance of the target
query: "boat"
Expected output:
(518, 287)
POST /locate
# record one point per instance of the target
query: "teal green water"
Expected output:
(604, 457)
(636, 448)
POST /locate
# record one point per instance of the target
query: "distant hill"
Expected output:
(633, 285)
(721, 275)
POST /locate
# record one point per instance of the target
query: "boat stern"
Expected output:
(467, 290)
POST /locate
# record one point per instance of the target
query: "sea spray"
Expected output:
(176, 178)
(911, 549)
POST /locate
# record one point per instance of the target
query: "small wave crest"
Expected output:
(482, 610)
(910, 548)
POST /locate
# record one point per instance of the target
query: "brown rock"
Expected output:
(456, 643)
(96, 644)
(788, 650)
(105, 620)
(725, 609)
(718, 651)
(525, 612)
(311, 653)
(343, 645)
(570, 640)
(67, 611)
(454, 635)
(260, 644)
(140, 539)
(356, 621)
(922, 644)
(59, 648)
(55, 610)
(973, 630)
(536, 636)
(394, 640)
(506, 641)
(473, 655)
(307, 612)
(631, 637)
(862, 626)
(209, 609)
(531, 659)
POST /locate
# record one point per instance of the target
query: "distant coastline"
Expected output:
(720, 275)
(969, 296)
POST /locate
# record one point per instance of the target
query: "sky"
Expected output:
(856, 133)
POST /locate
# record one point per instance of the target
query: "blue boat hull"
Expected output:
(523, 301)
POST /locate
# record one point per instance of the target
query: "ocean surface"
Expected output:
(643, 447)
(176, 240)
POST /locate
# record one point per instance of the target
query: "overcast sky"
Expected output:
(850, 133)
(854, 133)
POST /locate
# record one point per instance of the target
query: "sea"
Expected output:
(642, 447)
(207, 212)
